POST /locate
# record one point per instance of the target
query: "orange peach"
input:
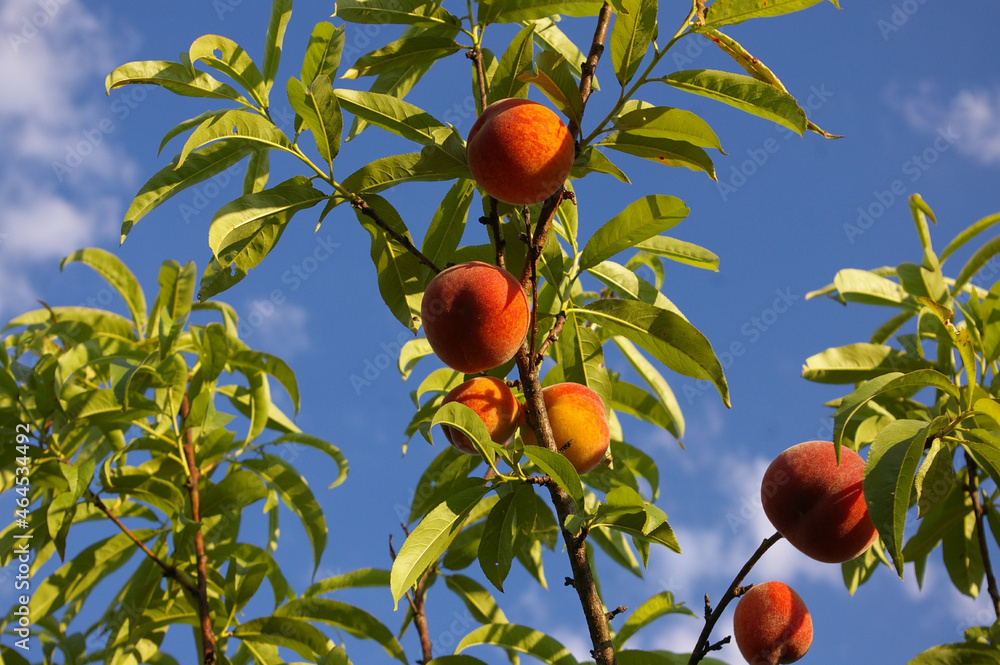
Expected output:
(493, 402)
(579, 424)
(519, 151)
(818, 506)
(475, 316)
(772, 625)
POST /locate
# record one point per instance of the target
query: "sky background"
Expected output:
(892, 77)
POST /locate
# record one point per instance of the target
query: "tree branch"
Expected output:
(702, 647)
(552, 338)
(169, 570)
(977, 507)
(366, 210)
(493, 223)
(589, 67)
(416, 600)
(476, 56)
(194, 478)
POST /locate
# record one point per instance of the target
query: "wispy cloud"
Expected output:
(972, 113)
(62, 174)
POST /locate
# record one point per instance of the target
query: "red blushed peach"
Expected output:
(495, 405)
(818, 506)
(579, 424)
(772, 625)
(475, 316)
(519, 151)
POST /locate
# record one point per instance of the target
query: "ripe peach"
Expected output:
(772, 625)
(817, 506)
(519, 151)
(579, 424)
(475, 316)
(493, 402)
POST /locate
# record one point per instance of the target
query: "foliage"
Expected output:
(93, 387)
(926, 409)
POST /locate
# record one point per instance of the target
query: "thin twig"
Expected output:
(169, 570)
(621, 609)
(977, 507)
(416, 600)
(194, 478)
(493, 223)
(552, 338)
(366, 210)
(589, 66)
(476, 56)
(702, 647)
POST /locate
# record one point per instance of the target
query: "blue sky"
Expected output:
(914, 87)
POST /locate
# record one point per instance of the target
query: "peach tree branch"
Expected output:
(977, 507)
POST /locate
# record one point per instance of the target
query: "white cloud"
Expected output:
(62, 177)
(277, 327)
(971, 113)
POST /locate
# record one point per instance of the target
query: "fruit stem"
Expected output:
(977, 507)
(702, 647)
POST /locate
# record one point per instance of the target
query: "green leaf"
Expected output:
(403, 53)
(477, 599)
(892, 462)
(326, 43)
(980, 258)
(627, 284)
(553, 75)
(634, 524)
(386, 172)
(503, 11)
(117, 274)
(331, 451)
(432, 536)
(631, 36)
(349, 618)
(549, 36)
(680, 251)
(728, 12)
(559, 469)
(858, 362)
(635, 401)
(299, 636)
(237, 490)
(161, 493)
(245, 230)
(964, 653)
(515, 60)
(496, 545)
(281, 11)
(450, 660)
(317, 106)
(401, 276)
(413, 12)
(743, 92)
(174, 177)
(641, 219)
(669, 123)
(258, 171)
(173, 76)
(237, 126)
(960, 550)
(968, 234)
(411, 353)
(448, 224)
(591, 160)
(391, 113)
(659, 605)
(632, 657)
(581, 356)
(866, 287)
(521, 638)
(282, 477)
(659, 149)
(665, 334)
(234, 63)
(361, 578)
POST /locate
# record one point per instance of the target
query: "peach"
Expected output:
(818, 506)
(495, 405)
(772, 625)
(579, 424)
(519, 151)
(475, 316)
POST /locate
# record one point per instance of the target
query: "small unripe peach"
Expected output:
(818, 506)
(475, 316)
(579, 424)
(772, 625)
(495, 405)
(519, 151)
